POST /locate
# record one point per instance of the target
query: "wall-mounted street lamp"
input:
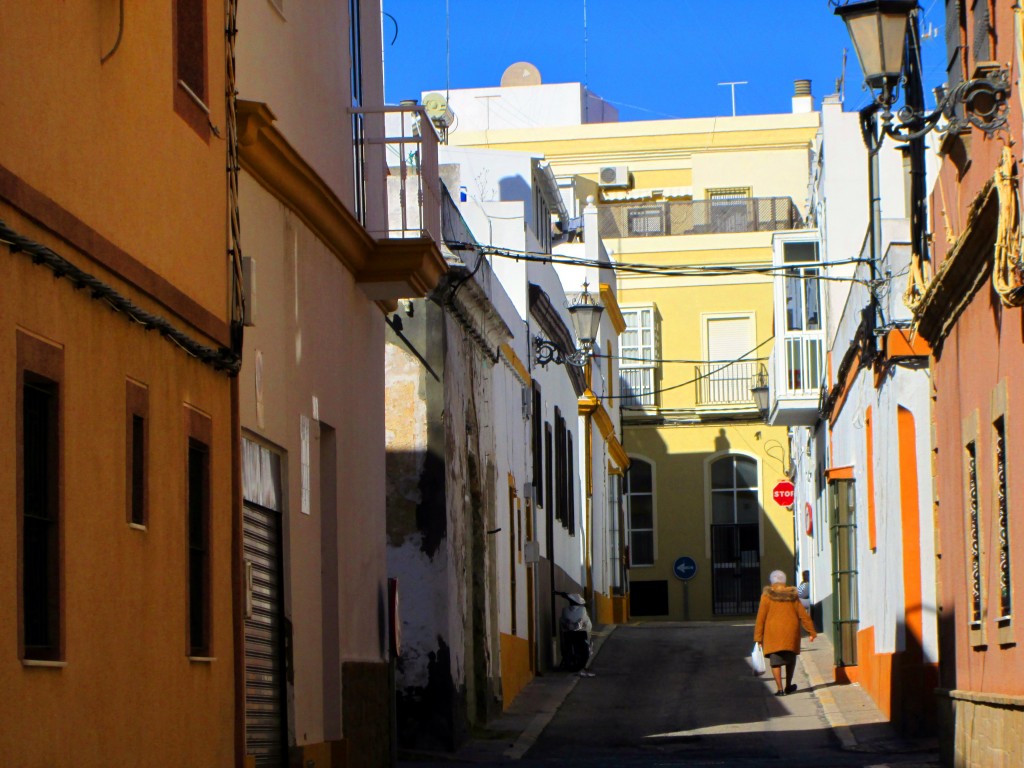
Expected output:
(887, 40)
(585, 313)
(885, 37)
(759, 390)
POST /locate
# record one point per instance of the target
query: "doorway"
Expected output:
(265, 722)
(736, 569)
(735, 536)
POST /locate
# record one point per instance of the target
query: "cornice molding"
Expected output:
(590, 406)
(611, 306)
(964, 270)
(513, 361)
(384, 269)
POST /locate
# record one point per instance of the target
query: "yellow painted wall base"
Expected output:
(326, 754)
(515, 667)
(620, 609)
(603, 609)
(611, 610)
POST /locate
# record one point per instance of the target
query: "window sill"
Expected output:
(202, 659)
(1004, 631)
(43, 664)
(137, 527)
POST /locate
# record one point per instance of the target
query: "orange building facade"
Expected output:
(116, 469)
(971, 314)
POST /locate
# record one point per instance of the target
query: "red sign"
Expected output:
(784, 493)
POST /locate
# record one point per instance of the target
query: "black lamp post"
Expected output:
(585, 313)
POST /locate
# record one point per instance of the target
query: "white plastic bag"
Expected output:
(757, 659)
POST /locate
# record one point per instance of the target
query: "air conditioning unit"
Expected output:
(613, 176)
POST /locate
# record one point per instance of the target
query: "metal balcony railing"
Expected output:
(637, 385)
(725, 383)
(697, 217)
(804, 363)
(397, 172)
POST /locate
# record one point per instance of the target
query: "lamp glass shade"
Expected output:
(760, 393)
(878, 29)
(586, 319)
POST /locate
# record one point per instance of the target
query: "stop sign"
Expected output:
(784, 493)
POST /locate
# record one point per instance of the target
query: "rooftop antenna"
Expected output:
(447, 49)
(841, 81)
(732, 87)
(586, 97)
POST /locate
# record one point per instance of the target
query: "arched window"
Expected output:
(639, 496)
(734, 492)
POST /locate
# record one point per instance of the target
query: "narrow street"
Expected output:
(672, 694)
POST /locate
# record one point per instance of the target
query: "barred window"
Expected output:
(646, 220)
(1005, 594)
(973, 532)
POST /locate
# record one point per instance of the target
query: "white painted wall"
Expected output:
(604, 370)
(526, 106)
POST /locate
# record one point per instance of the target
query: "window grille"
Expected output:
(646, 220)
(1005, 596)
(974, 542)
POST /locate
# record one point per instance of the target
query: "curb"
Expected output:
(833, 713)
(540, 721)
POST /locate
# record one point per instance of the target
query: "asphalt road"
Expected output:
(683, 695)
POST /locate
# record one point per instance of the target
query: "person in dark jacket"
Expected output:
(779, 618)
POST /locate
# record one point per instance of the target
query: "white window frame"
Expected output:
(627, 501)
(646, 399)
(799, 364)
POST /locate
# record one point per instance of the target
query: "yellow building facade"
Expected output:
(688, 208)
(118, 642)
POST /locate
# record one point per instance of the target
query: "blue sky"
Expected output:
(650, 58)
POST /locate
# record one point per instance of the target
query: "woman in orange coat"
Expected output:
(779, 619)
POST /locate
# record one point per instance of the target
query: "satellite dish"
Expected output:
(521, 73)
(438, 111)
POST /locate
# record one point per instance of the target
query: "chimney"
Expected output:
(802, 99)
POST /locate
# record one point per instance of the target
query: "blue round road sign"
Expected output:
(685, 568)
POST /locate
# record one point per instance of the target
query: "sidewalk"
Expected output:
(856, 722)
(510, 735)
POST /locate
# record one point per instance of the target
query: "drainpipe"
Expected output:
(873, 142)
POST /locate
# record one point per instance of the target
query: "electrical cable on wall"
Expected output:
(222, 359)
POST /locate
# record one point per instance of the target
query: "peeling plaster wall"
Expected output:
(441, 504)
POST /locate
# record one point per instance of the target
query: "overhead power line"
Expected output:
(669, 270)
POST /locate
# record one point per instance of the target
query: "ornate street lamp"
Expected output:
(886, 39)
(585, 313)
(759, 390)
